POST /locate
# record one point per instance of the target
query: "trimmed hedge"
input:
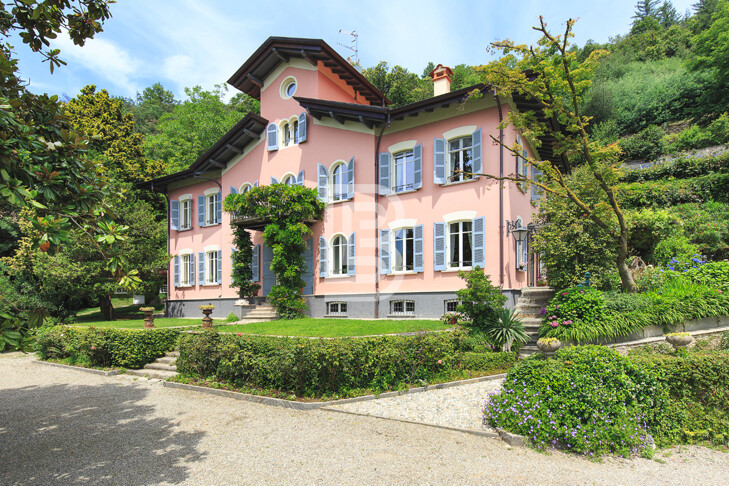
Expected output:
(125, 348)
(316, 367)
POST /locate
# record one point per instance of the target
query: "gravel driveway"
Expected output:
(61, 426)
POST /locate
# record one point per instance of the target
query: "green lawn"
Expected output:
(334, 327)
(139, 323)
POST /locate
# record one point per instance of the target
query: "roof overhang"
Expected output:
(370, 116)
(230, 146)
(250, 77)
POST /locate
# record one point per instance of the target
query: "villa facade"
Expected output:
(406, 208)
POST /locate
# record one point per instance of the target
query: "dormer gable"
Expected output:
(252, 76)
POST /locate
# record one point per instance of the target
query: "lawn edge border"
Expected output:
(278, 402)
(79, 368)
(481, 433)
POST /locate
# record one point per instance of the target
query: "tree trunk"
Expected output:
(626, 276)
(107, 310)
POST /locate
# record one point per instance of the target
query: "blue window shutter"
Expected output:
(352, 255)
(192, 269)
(384, 176)
(176, 271)
(323, 183)
(256, 258)
(418, 166)
(201, 210)
(418, 248)
(174, 215)
(439, 161)
(274, 180)
(477, 151)
(302, 128)
(272, 137)
(220, 266)
(233, 190)
(300, 179)
(201, 267)
(323, 257)
(479, 243)
(255, 184)
(350, 179)
(385, 251)
(219, 207)
(535, 189)
(439, 247)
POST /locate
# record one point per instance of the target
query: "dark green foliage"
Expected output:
(676, 246)
(711, 55)
(588, 400)
(316, 367)
(242, 272)
(670, 192)
(696, 137)
(399, 85)
(481, 301)
(123, 348)
(647, 144)
(698, 385)
(287, 208)
(573, 314)
(507, 330)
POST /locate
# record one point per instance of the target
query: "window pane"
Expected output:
(399, 250)
(343, 307)
(397, 306)
(337, 268)
(455, 245)
(296, 132)
(410, 306)
(339, 191)
(409, 249)
(466, 141)
(455, 145)
(467, 242)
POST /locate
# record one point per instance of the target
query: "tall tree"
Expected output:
(193, 126)
(398, 84)
(550, 76)
(703, 10)
(645, 9)
(151, 104)
(711, 53)
(112, 136)
(667, 15)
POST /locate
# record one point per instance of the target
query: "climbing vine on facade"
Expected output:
(286, 210)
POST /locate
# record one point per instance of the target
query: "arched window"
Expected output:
(245, 188)
(296, 130)
(339, 255)
(289, 180)
(339, 182)
(286, 135)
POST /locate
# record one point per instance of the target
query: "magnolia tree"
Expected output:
(552, 79)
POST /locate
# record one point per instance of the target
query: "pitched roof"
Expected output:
(276, 50)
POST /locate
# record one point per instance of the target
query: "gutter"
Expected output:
(501, 193)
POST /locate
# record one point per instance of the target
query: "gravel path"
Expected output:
(64, 427)
(458, 406)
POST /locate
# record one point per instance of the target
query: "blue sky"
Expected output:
(185, 43)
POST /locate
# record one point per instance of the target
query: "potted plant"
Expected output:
(679, 339)
(450, 319)
(548, 345)
(207, 321)
(148, 317)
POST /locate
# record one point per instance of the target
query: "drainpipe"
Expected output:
(377, 223)
(501, 193)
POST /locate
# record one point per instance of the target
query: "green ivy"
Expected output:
(242, 274)
(286, 209)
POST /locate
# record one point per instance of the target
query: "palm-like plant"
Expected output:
(506, 329)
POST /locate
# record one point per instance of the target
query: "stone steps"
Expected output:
(161, 369)
(260, 313)
(529, 309)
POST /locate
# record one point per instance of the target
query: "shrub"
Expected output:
(674, 248)
(317, 367)
(231, 318)
(694, 137)
(507, 330)
(588, 400)
(680, 168)
(647, 144)
(126, 348)
(574, 314)
(724, 343)
(480, 300)
(698, 385)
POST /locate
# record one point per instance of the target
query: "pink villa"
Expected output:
(406, 208)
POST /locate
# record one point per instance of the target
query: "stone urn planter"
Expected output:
(207, 322)
(148, 317)
(549, 346)
(679, 339)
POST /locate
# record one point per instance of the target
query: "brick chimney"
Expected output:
(441, 79)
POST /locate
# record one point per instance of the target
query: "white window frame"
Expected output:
(290, 125)
(185, 214)
(401, 158)
(343, 254)
(408, 307)
(211, 267)
(343, 184)
(285, 84)
(289, 179)
(394, 250)
(451, 301)
(185, 270)
(211, 215)
(245, 187)
(340, 306)
(460, 151)
(449, 245)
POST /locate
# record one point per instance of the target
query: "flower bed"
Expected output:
(341, 366)
(99, 347)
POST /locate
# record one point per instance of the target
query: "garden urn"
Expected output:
(207, 322)
(549, 346)
(148, 317)
(679, 340)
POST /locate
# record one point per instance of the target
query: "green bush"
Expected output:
(126, 348)
(588, 400)
(481, 301)
(674, 247)
(698, 385)
(317, 367)
(680, 168)
(574, 314)
(647, 144)
(695, 137)
(670, 192)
